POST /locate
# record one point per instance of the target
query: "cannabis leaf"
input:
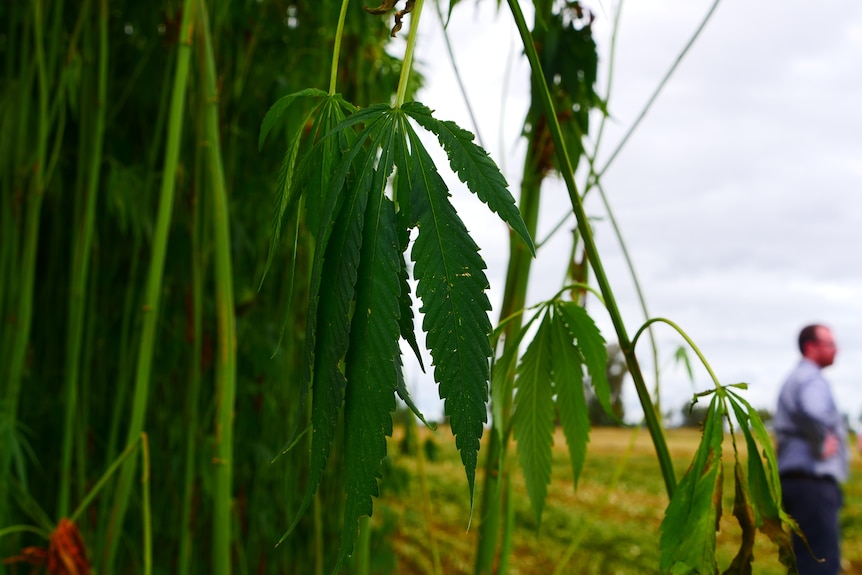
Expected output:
(691, 519)
(550, 386)
(368, 181)
(533, 419)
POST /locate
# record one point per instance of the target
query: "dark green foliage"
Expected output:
(359, 302)
(263, 50)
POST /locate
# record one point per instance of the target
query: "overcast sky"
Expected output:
(738, 197)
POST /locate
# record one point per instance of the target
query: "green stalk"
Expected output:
(145, 487)
(339, 32)
(25, 280)
(567, 171)
(127, 339)
(197, 273)
(514, 298)
(362, 557)
(226, 356)
(407, 64)
(426, 501)
(153, 285)
(82, 246)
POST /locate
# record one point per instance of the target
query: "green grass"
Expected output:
(609, 525)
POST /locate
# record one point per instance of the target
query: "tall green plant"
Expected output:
(80, 257)
(226, 349)
(361, 227)
(152, 294)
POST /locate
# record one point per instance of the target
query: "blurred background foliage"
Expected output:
(74, 163)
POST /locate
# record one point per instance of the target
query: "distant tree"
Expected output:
(693, 414)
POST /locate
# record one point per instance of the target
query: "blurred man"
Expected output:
(812, 454)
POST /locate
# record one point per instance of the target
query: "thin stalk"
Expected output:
(35, 195)
(567, 171)
(225, 370)
(147, 516)
(497, 526)
(688, 340)
(659, 88)
(638, 290)
(81, 250)
(153, 287)
(407, 64)
(317, 505)
(192, 416)
(100, 484)
(426, 501)
(339, 32)
(362, 557)
(127, 339)
(496, 485)
(451, 53)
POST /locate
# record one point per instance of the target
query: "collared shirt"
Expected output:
(806, 414)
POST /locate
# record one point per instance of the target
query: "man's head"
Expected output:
(817, 344)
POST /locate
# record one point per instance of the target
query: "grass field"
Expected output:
(609, 525)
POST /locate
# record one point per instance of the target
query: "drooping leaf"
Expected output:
(691, 519)
(317, 167)
(404, 394)
(286, 193)
(371, 368)
(533, 418)
(591, 344)
(402, 190)
(744, 513)
(474, 167)
(335, 265)
(451, 286)
(764, 483)
(281, 106)
(569, 389)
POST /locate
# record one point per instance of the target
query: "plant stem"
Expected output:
(197, 294)
(81, 250)
(153, 287)
(407, 64)
(27, 270)
(145, 487)
(451, 53)
(336, 51)
(226, 355)
(514, 298)
(659, 88)
(567, 171)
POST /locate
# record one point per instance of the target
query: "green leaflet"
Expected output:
(371, 359)
(533, 418)
(402, 190)
(592, 348)
(691, 519)
(451, 285)
(475, 167)
(550, 376)
(569, 388)
(281, 106)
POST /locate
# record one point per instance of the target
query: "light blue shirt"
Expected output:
(806, 414)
